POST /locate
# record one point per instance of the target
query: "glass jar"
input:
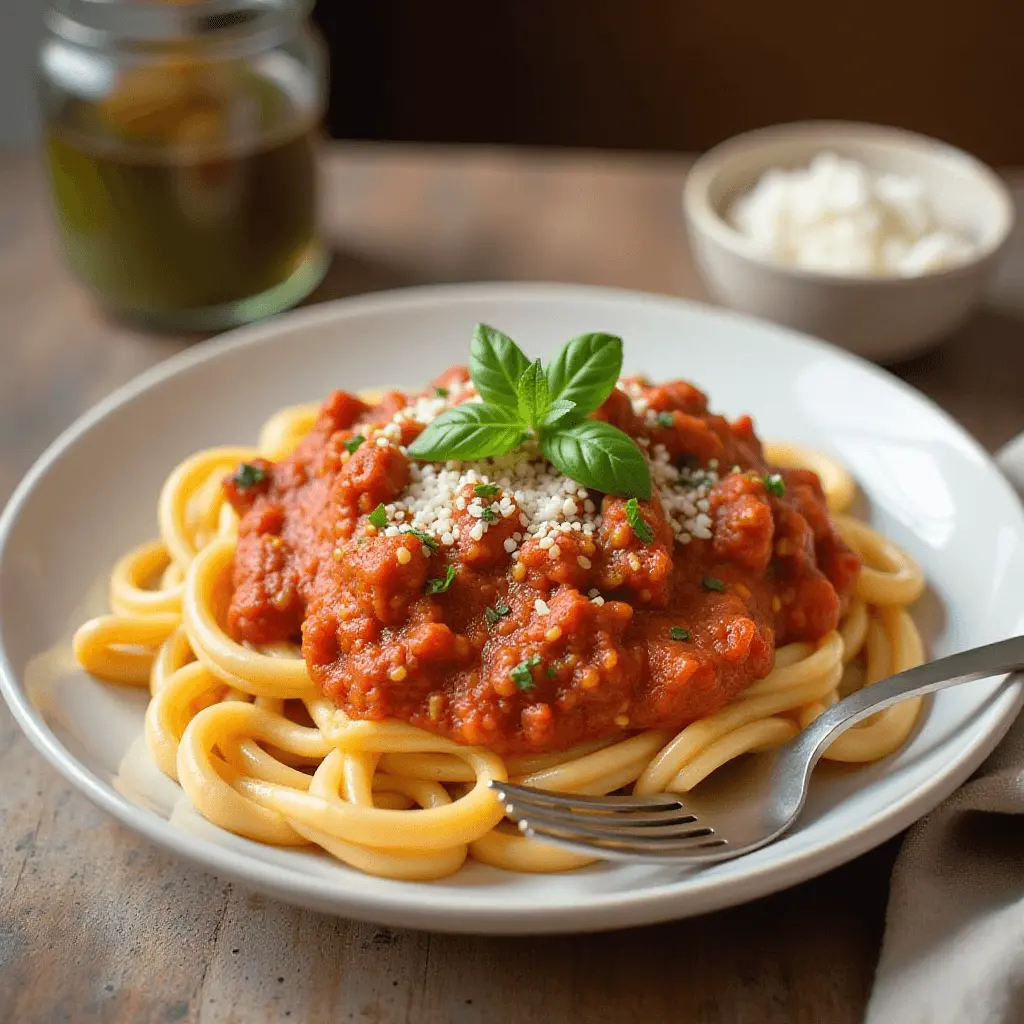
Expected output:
(181, 142)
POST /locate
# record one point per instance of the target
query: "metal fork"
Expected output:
(747, 803)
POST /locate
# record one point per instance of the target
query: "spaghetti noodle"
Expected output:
(260, 751)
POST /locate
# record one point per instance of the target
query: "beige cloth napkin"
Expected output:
(954, 935)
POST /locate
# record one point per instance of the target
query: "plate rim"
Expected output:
(613, 909)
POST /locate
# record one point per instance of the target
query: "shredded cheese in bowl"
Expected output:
(839, 216)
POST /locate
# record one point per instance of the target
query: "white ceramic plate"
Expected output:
(93, 494)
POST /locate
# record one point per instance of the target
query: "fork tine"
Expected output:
(579, 816)
(612, 829)
(508, 792)
(631, 847)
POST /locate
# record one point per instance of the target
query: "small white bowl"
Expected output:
(882, 318)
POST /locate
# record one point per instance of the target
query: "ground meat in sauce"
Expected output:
(517, 656)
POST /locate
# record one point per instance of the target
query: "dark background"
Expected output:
(673, 74)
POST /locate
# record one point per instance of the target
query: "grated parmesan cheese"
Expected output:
(839, 216)
(549, 504)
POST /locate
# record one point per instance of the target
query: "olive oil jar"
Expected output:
(181, 146)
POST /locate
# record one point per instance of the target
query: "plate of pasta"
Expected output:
(288, 603)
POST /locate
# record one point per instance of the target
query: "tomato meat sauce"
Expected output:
(492, 639)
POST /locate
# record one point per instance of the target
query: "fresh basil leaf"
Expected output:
(598, 455)
(496, 363)
(353, 443)
(469, 431)
(486, 490)
(586, 370)
(532, 394)
(379, 517)
(558, 412)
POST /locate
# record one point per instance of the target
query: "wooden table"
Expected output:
(97, 925)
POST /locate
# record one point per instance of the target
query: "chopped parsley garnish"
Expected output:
(774, 484)
(379, 517)
(679, 633)
(423, 538)
(637, 523)
(436, 586)
(441, 392)
(499, 611)
(665, 419)
(713, 583)
(551, 671)
(522, 675)
(486, 490)
(489, 515)
(249, 476)
(353, 443)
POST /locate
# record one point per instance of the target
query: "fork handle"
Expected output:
(965, 667)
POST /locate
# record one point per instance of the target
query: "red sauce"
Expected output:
(309, 564)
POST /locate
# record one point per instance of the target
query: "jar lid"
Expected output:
(96, 22)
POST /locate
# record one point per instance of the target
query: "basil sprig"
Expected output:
(524, 399)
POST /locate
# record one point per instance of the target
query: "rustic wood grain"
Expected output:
(97, 925)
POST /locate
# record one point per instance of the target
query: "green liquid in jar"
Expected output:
(179, 203)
